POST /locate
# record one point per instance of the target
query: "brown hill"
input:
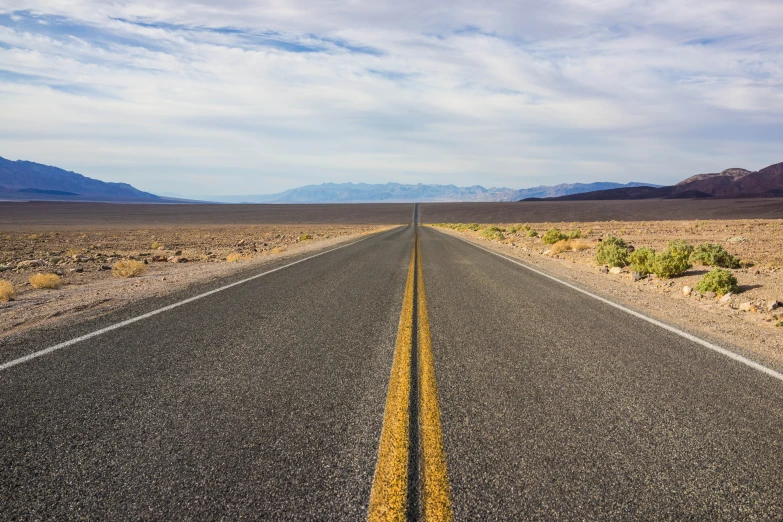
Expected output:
(731, 183)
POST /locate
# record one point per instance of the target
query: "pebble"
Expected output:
(616, 270)
(686, 290)
(726, 298)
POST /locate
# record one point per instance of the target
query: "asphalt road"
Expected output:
(266, 401)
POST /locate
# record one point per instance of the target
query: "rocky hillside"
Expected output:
(731, 183)
(25, 180)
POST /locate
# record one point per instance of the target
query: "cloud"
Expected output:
(240, 96)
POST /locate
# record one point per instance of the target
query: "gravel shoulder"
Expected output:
(741, 322)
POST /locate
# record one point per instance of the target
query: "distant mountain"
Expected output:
(25, 180)
(396, 192)
(731, 183)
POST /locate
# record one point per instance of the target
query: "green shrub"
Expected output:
(495, 233)
(574, 234)
(475, 227)
(532, 233)
(642, 260)
(553, 235)
(612, 251)
(680, 250)
(718, 280)
(668, 264)
(305, 237)
(713, 255)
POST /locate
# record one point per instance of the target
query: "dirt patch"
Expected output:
(742, 320)
(171, 259)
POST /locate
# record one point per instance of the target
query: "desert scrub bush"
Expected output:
(674, 260)
(155, 245)
(41, 281)
(718, 280)
(234, 257)
(642, 260)
(495, 233)
(305, 237)
(532, 233)
(517, 229)
(553, 235)
(612, 251)
(574, 234)
(7, 291)
(713, 255)
(128, 268)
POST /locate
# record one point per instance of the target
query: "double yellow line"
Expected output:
(389, 497)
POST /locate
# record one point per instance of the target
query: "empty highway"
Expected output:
(409, 375)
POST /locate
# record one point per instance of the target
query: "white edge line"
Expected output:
(45, 351)
(681, 333)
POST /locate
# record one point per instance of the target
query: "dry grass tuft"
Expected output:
(234, 257)
(128, 268)
(277, 250)
(45, 281)
(571, 245)
(7, 291)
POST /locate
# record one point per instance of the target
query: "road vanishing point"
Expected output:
(409, 375)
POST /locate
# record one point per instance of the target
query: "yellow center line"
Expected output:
(389, 495)
(435, 489)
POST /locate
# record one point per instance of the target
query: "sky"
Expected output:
(255, 97)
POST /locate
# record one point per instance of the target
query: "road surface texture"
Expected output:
(337, 389)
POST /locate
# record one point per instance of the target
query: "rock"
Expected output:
(604, 270)
(178, 253)
(242, 242)
(726, 298)
(710, 295)
(616, 270)
(547, 252)
(637, 276)
(59, 272)
(686, 290)
(54, 260)
(30, 263)
(748, 307)
(77, 270)
(3, 268)
(177, 259)
(161, 248)
(105, 267)
(158, 259)
(773, 305)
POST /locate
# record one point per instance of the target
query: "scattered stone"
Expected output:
(604, 270)
(547, 252)
(709, 295)
(637, 276)
(774, 305)
(3, 268)
(105, 267)
(54, 260)
(77, 270)
(241, 242)
(616, 270)
(726, 298)
(748, 307)
(686, 290)
(738, 239)
(159, 259)
(30, 263)
(59, 272)
(178, 253)
(161, 248)
(177, 259)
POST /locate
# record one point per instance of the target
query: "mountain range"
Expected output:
(399, 193)
(731, 183)
(25, 181)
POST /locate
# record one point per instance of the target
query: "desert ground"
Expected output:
(169, 258)
(750, 320)
(586, 211)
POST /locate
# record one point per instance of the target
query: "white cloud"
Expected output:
(215, 97)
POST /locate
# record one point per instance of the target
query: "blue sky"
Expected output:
(253, 97)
